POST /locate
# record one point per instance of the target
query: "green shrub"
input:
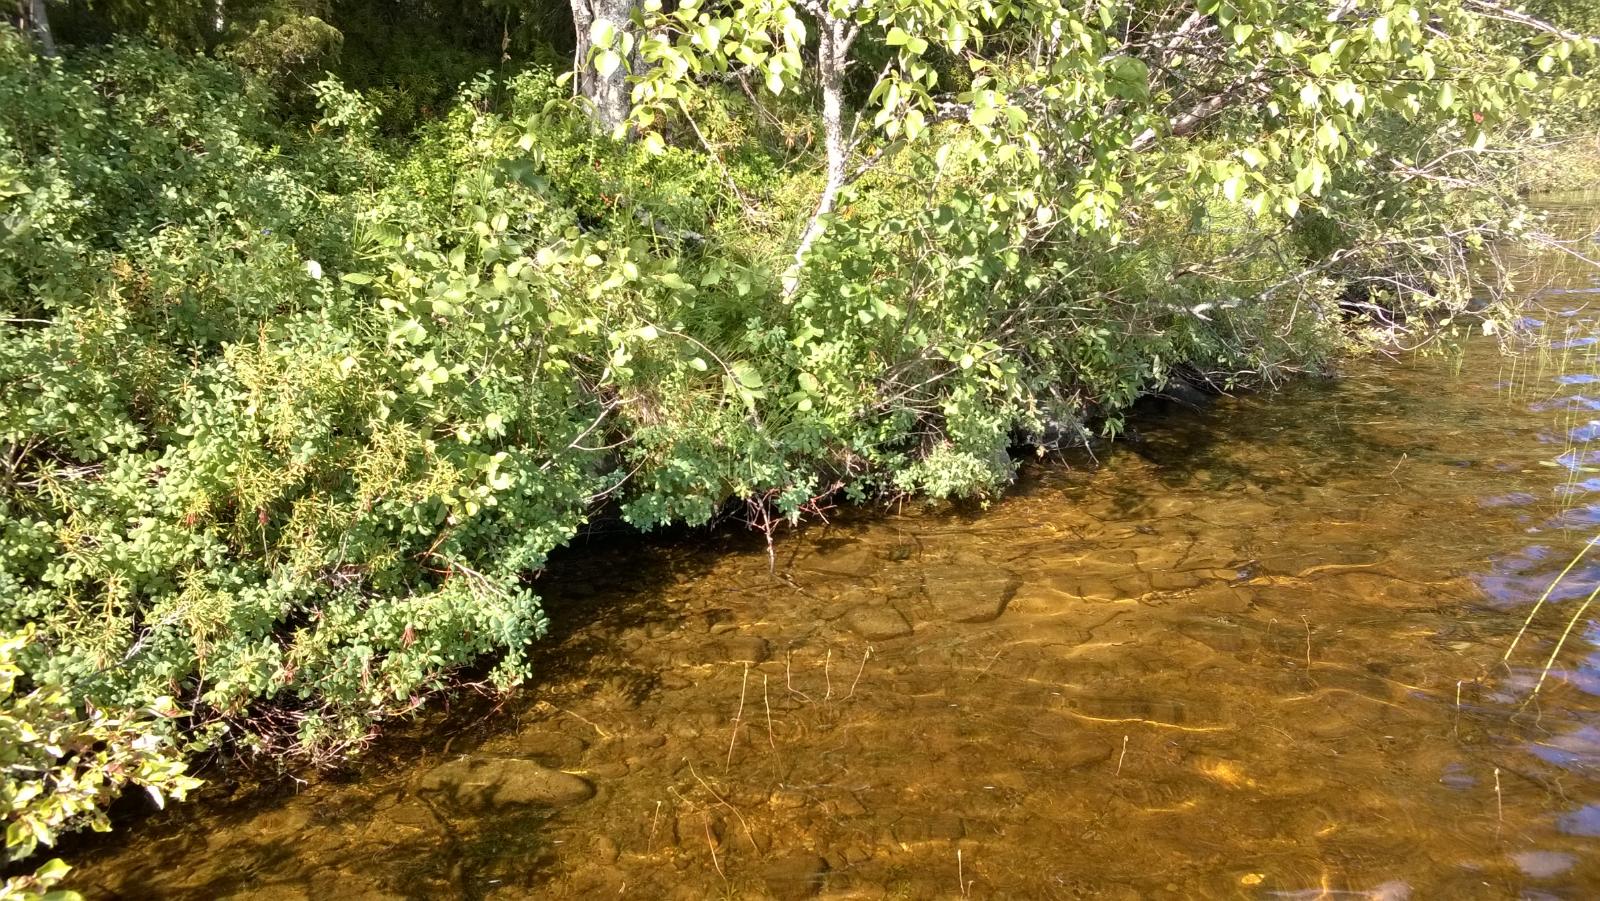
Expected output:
(294, 411)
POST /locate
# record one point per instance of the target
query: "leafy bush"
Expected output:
(65, 760)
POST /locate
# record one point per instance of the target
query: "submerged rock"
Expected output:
(795, 876)
(876, 622)
(491, 782)
(1083, 751)
(744, 648)
(969, 594)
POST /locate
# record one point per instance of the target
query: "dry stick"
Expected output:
(590, 723)
(1308, 642)
(1563, 642)
(1121, 757)
(1499, 804)
(738, 717)
(788, 677)
(1546, 596)
(858, 674)
(826, 677)
(724, 803)
(989, 665)
(650, 843)
(961, 875)
(706, 819)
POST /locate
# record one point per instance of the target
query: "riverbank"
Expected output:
(1565, 165)
(1259, 654)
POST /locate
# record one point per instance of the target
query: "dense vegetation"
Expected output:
(319, 334)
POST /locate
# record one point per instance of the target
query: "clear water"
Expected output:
(1254, 653)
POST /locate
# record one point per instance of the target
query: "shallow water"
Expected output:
(1254, 653)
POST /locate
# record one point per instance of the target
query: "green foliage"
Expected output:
(62, 761)
(287, 51)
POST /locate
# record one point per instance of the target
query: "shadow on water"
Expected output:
(286, 837)
(1253, 653)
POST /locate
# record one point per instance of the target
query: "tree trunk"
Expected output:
(833, 52)
(35, 20)
(608, 93)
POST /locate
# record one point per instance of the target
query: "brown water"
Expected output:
(1255, 653)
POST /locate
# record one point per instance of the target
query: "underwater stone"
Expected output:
(490, 782)
(969, 594)
(877, 622)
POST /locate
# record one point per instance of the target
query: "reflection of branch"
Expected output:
(1551, 242)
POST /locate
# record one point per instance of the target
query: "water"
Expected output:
(1255, 653)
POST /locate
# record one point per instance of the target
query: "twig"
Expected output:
(788, 677)
(738, 717)
(715, 157)
(1563, 641)
(858, 674)
(1546, 596)
(724, 803)
(603, 733)
(1499, 804)
(712, 845)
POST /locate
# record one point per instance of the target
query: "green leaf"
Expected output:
(53, 870)
(356, 278)
(606, 62)
(748, 376)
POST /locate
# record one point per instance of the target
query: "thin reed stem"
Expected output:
(1546, 596)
